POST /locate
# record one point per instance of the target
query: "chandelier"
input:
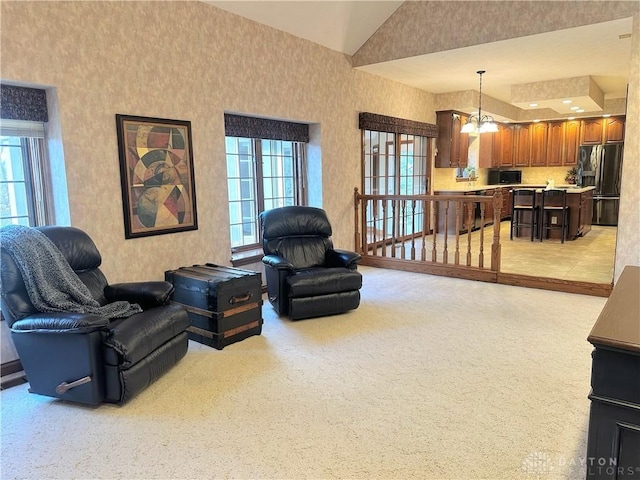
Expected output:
(480, 123)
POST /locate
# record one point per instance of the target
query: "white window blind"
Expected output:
(21, 128)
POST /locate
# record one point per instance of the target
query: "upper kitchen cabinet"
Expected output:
(538, 156)
(505, 145)
(614, 129)
(591, 131)
(452, 146)
(489, 151)
(571, 142)
(496, 149)
(555, 144)
(562, 143)
(522, 152)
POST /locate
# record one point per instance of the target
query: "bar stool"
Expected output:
(524, 201)
(554, 206)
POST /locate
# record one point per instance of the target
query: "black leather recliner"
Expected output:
(307, 277)
(88, 358)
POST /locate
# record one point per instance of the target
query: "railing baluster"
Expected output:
(365, 234)
(403, 210)
(394, 232)
(434, 249)
(481, 255)
(459, 206)
(356, 210)
(425, 230)
(470, 225)
(413, 229)
(495, 246)
(392, 222)
(374, 232)
(445, 253)
(384, 228)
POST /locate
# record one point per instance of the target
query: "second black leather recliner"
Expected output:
(306, 277)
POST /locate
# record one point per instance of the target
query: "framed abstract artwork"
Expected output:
(156, 173)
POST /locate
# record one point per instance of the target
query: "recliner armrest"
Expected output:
(277, 262)
(145, 294)
(342, 258)
(61, 322)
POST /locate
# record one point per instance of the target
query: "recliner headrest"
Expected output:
(76, 246)
(294, 221)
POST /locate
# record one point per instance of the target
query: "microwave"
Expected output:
(497, 177)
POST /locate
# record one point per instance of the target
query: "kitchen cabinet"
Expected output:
(489, 151)
(571, 142)
(507, 197)
(522, 151)
(614, 129)
(488, 209)
(591, 131)
(562, 143)
(555, 144)
(496, 149)
(447, 213)
(464, 214)
(505, 145)
(505, 207)
(586, 213)
(580, 204)
(452, 146)
(538, 152)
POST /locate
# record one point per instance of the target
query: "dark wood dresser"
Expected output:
(613, 450)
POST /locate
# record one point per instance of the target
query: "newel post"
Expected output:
(497, 215)
(356, 205)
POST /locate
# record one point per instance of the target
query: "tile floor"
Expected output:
(588, 259)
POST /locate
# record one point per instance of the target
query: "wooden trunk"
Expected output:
(224, 304)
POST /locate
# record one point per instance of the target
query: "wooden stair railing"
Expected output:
(414, 233)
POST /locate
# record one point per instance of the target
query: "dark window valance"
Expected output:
(22, 103)
(252, 127)
(382, 123)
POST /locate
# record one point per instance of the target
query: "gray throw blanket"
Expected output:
(50, 281)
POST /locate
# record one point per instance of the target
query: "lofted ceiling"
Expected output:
(343, 26)
(592, 61)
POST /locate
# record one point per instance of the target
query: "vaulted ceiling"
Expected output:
(587, 63)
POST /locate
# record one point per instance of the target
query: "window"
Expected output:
(396, 164)
(261, 174)
(22, 174)
(396, 156)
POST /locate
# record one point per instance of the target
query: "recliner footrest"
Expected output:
(323, 305)
(132, 340)
(322, 281)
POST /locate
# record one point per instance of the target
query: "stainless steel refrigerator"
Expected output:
(601, 166)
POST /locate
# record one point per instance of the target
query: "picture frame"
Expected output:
(156, 173)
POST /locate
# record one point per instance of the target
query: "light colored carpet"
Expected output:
(431, 378)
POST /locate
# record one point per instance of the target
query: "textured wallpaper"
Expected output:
(410, 30)
(186, 61)
(628, 240)
(190, 61)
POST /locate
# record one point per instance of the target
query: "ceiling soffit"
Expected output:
(579, 93)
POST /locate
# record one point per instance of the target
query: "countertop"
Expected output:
(477, 188)
(618, 324)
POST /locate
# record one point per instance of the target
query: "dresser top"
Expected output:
(618, 325)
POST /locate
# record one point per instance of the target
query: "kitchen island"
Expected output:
(579, 202)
